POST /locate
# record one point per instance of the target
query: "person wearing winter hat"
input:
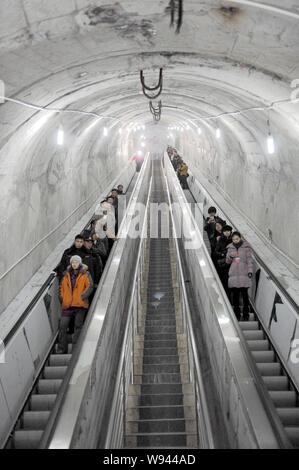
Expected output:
(220, 255)
(239, 257)
(75, 288)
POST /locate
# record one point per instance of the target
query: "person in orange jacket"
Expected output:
(75, 288)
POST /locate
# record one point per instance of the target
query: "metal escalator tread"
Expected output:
(278, 382)
(284, 400)
(289, 416)
(37, 412)
(42, 402)
(293, 434)
(27, 439)
(35, 420)
(53, 373)
(258, 345)
(263, 356)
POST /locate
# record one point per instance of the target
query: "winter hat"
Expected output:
(76, 258)
(227, 228)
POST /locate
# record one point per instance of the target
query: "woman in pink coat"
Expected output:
(239, 256)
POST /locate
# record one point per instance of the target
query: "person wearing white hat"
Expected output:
(75, 288)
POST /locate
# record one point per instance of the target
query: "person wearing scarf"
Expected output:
(239, 257)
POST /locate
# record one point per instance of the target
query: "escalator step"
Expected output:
(35, 420)
(289, 416)
(249, 325)
(283, 398)
(48, 387)
(53, 373)
(42, 402)
(263, 356)
(27, 439)
(279, 382)
(293, 434)
(269, 369)
(253, 335)
(59, 360)
(258, 345)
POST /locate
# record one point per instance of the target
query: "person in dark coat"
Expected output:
(217, 234)
(114, 194)
(77, 249)
(220, 255)
(210, 222)
(93, 260)
(239, 257)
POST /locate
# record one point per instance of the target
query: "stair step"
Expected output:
(161, 368)
(27, 439)
(160, 412)
(161, 322)
(269, 368)
(293, 434)
(53, 373)
(42, 402)
(258, 345)
(249, 325)
(279, 382)
(253, 335)
(161, 440)
(283, 399)
(154, 359)
(150, 330)
(158, 389)
(263, 356)
(48, 387)
(289, 416)
(161, 344)
(35, 420)
(158, 337)
(161, 378)
(59, 359)
(159, 425)
(162, 399)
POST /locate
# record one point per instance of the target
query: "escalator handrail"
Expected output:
(270, 409)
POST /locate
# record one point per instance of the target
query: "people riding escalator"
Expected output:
(75, 289)
(220, 256)
(183, 175)
(239, 257)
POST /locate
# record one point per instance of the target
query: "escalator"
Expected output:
(162, 414)
(281, 389)
(34, 417)
(33, 421)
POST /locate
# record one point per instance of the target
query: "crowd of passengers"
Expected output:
(81, 267)
(180, 167)
(230, 253)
